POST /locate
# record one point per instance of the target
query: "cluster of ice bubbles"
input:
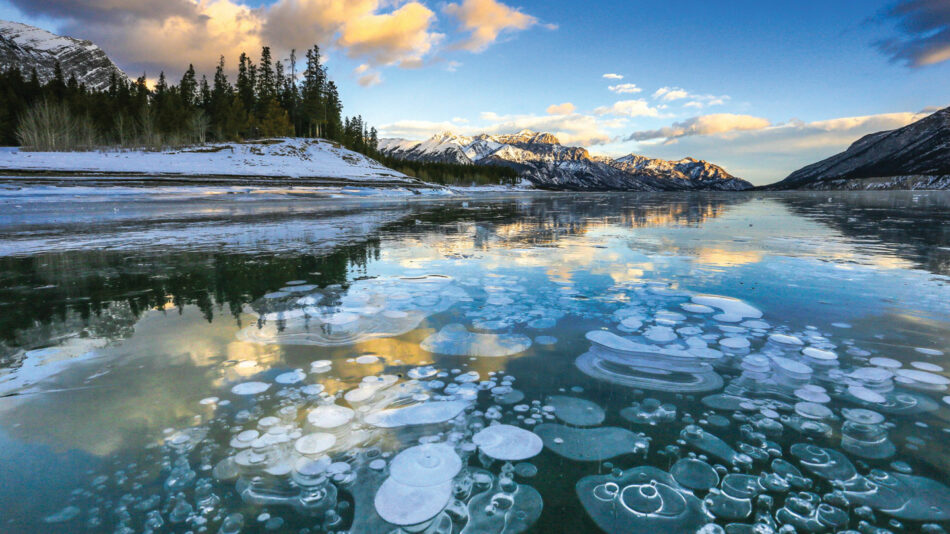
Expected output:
(446, 450)
(777, 383)
(369, 308)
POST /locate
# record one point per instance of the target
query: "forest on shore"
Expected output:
(269, 98)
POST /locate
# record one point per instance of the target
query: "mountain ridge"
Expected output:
(28, 47)
(540, 158)
(916, 156)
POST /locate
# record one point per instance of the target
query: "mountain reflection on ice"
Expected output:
(526, 363)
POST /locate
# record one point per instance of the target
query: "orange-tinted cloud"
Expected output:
(485, 20)
(561, 109)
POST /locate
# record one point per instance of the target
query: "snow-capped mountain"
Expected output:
(916, 156)
(543, 160)
(28, 47)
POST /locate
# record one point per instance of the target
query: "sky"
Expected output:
(759, 87)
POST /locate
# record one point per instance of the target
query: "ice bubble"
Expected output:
(297, 375)
(886, 363)
(66, 514)
(426, 413)
(321, 366)
(694, 474)
(811, 410)
(660, 334)
(812, 395)
(698, 438)
(455, 340)
(425, 465)
(575, 411)
(734, 342)
(314, 444)
(250, 388)
(631, 323)
(923, 377)
(927, 366)
(366, 359)
(819, 354)
(590, 444)
(405, 505)
(208, 400)
(929, 352)
(545, 340)
(506, 442)
(756, 325)
(640, 500)
(864, 394)
(728, 305)
(425, 371)
(785, 339)
(329, 416)
(649, 412)
(696, 308)
(525, 469)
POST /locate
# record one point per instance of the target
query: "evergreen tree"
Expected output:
(189, 87)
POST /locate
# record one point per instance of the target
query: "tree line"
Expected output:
(267, 99)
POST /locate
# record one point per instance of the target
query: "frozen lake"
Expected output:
(244, 360)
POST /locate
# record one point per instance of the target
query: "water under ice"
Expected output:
(456, 340)
(393, 400)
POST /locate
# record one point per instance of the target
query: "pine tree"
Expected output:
(189, 87)
(266, 85)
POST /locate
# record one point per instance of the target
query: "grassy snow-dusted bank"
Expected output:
(307, 161)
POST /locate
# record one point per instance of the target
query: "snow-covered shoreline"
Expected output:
(306, 160)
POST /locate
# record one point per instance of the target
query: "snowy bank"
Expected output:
(306, 160)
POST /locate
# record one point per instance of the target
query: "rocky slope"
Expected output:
(28, 47)
(916, 156)
(543, 160)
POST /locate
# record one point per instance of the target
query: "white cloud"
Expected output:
(370, 79)
(629, 108)
(612, 76)
(485, 20)
(561, 109)
(766, 155)
(624, 88)
(703, 125)
(696, 101)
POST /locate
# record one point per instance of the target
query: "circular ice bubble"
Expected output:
(696, 308)
(425, 465)
(929, 352)
(813, 410)
(812, 395)
(631, 323)
(862, 416)
(640, 500)
(886, 363)
(694, 474)
(208, 400)
(426, 413)
(923, 377)
(927, 366)
(728, 305)
(819, 354)
(506, 442)
(366, 359)
(297, 375)
(314, 444)
(545, 340)
(575, 411)
(734, 343)
(422, 372)
(250, 388)
(405, 505)
(785, 339)
(864, 394)
(329, 416)
(660, 334)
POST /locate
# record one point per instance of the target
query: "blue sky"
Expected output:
(761, 88)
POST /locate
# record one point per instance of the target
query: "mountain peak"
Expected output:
(27, 47)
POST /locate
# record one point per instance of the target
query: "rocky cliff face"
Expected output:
(28, 47)
(916, 156)
(542, 159)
